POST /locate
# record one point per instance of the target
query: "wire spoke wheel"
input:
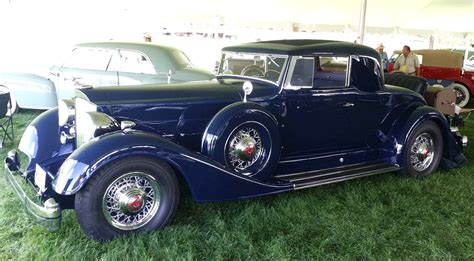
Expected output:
(460, 96)
(131, 201)
(422, 152)
(244, 149)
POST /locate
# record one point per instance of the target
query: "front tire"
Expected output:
(423, 150)
(133, 195)
(462, 94)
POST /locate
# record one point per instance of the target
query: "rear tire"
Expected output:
(463, 95)
(132, 195)
(423, 150)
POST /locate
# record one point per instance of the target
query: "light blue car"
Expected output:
(101, 64)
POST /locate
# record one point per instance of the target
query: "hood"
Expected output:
(180, 111)
(229, 90)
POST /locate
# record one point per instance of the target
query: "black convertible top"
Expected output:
(305, 47)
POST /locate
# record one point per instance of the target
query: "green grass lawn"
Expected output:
(379, 217)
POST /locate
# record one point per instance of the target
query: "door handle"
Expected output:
(348, 104)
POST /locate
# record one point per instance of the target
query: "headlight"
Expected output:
(93, 124)
(66, 111)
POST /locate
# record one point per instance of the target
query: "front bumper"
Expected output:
(47, 213)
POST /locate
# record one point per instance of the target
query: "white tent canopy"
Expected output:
(28, 24)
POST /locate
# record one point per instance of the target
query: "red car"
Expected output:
(444, 67)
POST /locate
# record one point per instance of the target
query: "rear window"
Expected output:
(181, 59)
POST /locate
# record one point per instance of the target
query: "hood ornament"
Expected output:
(248, 88)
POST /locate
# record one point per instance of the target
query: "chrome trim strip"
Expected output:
(354, 176)
(241, 77)
(348, 71)
(319, 157)
(362, 166)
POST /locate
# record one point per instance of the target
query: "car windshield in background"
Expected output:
(263, 66)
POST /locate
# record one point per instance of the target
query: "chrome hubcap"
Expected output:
(245, 148)
(131, 201)
(422, 152)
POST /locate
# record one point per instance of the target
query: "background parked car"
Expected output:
(101, 64)
(446, 68)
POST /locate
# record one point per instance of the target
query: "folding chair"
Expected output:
(6, 119)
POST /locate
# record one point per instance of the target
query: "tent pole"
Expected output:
(363, 10)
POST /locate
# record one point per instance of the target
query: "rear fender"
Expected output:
(405, 125)
(208, 180)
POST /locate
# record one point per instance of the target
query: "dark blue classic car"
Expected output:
(280, 116)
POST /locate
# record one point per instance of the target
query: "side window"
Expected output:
(330, 71)
(301, 72)
(131, 62)
(89, 59)
(365, 74)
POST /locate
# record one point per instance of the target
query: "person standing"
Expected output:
(147, 37)
(383, 56)
(407, 62)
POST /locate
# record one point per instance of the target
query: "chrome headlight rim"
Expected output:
(66, 111)
(93, 124)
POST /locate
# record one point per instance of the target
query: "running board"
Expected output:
(326, 176)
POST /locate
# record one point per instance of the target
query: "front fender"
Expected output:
(41, 140)
(208, 180)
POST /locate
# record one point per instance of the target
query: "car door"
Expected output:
(367, 104)
(314, 119)
(135, 68)
(85, 67)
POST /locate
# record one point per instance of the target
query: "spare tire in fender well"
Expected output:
(228, 119)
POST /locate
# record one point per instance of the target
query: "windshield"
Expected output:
(262, 66)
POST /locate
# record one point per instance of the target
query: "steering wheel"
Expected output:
(272, 75)
(253, 70)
